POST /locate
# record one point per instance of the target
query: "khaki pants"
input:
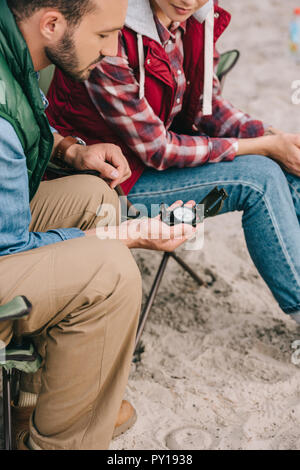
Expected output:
(86, 296)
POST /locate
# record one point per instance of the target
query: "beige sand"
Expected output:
(217, 370)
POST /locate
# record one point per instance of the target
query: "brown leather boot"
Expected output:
(20, 421)
(126, 418)
(20, 418)
(21, 443)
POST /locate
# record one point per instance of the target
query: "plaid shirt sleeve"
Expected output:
(227, 121)
(115, 94)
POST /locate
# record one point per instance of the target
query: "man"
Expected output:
(159, 100)
(85, 292)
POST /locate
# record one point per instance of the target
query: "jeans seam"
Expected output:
(196, 187)
(294, 188)
(281, 242)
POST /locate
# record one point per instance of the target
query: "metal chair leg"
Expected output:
(151, 298)
(154, 290)
(6, 376)
(188, 269)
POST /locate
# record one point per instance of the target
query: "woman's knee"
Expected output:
(260, 170)
(258, 178)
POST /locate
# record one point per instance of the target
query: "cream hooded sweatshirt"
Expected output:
(140, 19)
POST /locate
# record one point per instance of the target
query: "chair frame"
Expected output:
(154, 290)
(7, 380)
(10, 378)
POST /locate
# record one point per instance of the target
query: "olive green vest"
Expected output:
(20, 100)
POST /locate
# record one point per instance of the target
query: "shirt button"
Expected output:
(148, 61)
(179, 72)
(178, 100)
(217, 15)
(188, 82)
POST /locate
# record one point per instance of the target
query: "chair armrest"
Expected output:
(226, 63)
(23, 357)
(17, 308)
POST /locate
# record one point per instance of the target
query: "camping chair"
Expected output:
(226, 63)
(19, 355)
(46, 77)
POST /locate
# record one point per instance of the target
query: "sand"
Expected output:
(217, 370)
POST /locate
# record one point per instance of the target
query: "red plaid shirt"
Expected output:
(114, 91)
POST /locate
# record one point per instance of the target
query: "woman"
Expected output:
(159, 100)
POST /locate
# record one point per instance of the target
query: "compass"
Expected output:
(182, 215)
(208, 207)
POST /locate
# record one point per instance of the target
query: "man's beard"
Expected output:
(63, 56)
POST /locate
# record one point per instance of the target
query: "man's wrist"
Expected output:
(70, 154)
(119, 233)
(66, 151)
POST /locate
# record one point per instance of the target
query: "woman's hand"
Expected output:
(281, 147)
(285, 149)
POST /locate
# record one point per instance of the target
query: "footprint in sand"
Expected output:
(188, 438)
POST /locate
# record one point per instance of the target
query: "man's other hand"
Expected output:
(107, 159)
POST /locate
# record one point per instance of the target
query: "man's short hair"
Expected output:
(73, 10)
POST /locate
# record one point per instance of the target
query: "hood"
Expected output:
(140, 19)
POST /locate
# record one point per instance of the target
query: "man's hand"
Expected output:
(150, 234)
(107, 159)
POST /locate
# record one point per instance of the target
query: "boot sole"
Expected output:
(125, 426)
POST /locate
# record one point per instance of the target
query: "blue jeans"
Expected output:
(269, 199)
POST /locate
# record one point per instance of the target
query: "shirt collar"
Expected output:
(166, 34)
